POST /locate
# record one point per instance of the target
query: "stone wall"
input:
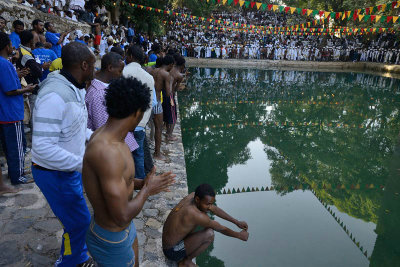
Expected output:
(11, 10)
(367, 67)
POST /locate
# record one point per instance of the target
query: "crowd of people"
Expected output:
(211, 41)
(89, 124)
(89, 137)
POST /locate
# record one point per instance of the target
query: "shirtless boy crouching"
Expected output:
(180, 243)
(108, 177)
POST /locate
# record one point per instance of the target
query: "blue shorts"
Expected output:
(111, 248)
(176, 253)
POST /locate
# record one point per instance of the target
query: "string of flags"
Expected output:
(271, 102)
(276, 123)
(365, 14)
(288, 30)
(267, 29)
(300, 186)
(342, 225)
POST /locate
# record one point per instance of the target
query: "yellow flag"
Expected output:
(374, 30)
(292, 9)
(383, 7)
(398, 4)
(395, 18)
(274, 7)
(344, 15)
(224, 2)
(241, 2)
(258, 4)
(378, 18)
(348, 13)
(360, 17)
(309, 11)
(358, 11)
(308, 24)
(327, 14)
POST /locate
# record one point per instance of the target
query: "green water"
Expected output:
(327, 144)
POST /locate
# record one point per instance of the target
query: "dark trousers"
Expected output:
(138, 154)
(148, 160)
(13, 141)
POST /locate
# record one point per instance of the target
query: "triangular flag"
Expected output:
(395, 18)
(263, 6)
(327, 14)
(378, 18)
(292, 9)
(224, 2)
(258, 4)
(274, 7)
(309, 11)
(246, 3)
(252, 4)
(389, 18)
(360, 17)
(241, 2)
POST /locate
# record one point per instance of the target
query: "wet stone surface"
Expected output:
(30, 234)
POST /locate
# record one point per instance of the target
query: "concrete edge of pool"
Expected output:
(385, 70)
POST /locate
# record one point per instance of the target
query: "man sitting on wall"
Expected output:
(180, 242)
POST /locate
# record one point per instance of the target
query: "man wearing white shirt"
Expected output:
(58, 145)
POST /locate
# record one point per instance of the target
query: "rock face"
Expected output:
(11, 10)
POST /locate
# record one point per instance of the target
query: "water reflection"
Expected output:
(288, 128)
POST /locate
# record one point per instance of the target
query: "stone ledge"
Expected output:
(368, 67)
(11, 11)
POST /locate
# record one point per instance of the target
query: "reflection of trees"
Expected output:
(387, 249)
(209, 154)
(320, 155)
(317, 155)
(205, 259)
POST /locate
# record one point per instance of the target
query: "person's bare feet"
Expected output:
(4, 189)
(171, 138)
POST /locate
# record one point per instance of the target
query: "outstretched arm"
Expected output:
(222, 214)
(205, 221)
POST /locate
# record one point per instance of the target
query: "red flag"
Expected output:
(379, 7)
(287, 9)
(394, 4)
(252, 4)
(373, 17)
(236, 2)
(389, 18)
(338, 15)
(303, 11)
(269, 6)
(321, 12)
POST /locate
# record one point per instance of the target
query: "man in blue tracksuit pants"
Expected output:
(12, 136)
(58, 145)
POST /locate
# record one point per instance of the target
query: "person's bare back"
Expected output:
(104, 153)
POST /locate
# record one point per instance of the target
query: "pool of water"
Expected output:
(309, 159)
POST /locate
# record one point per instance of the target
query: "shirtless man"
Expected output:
(178, 76)
(108, 177)
(163, 84)
(180, 242)
(37, 31)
